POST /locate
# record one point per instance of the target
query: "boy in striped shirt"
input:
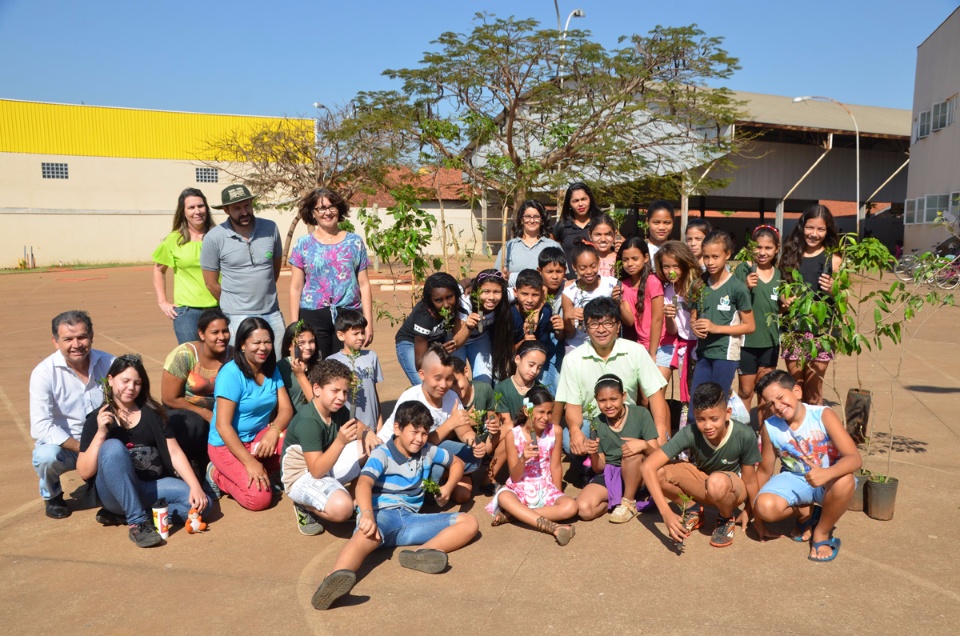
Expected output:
(389, 493)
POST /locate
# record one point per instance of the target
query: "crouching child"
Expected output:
(389, 495)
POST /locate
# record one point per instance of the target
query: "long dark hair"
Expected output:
(143, 399)
(518, 223)
(792, 254)
(566, 212)
(180, 215)
(501, 339)
(637, 243)
(439, 280)
(291, 329)
(536, 396)
(247, 327)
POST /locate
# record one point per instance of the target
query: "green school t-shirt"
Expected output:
(738, 448)
(765, 305)
(482, 397)
(639, 425)
(308, 433)
(721, 307)
(510, 402)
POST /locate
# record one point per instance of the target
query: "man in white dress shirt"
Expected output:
(64, 387)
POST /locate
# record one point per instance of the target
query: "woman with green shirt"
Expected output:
(761, 349)
(180, 250)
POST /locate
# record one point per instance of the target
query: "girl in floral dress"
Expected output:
(532, 494)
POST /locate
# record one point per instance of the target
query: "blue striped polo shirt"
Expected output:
(397, 479)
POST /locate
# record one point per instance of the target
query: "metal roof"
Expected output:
(777, 111)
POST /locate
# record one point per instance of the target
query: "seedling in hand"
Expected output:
(686, 502)
(480, 426)
(476, 307)
(447, 317)
(431, 487)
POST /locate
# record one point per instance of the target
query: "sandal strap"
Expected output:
(546, 526)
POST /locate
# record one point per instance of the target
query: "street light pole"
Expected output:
(856, 130)
(576, 13)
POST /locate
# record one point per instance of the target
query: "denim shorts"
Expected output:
(665, 355)
(794, 489)
(400, 526)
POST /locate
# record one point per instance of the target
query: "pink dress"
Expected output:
(536, 489)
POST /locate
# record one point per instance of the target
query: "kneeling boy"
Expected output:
(817, 461)
(721, 472)
(390, 493)
(319, 453)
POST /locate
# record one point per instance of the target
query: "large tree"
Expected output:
(521, 109)
(352, 149)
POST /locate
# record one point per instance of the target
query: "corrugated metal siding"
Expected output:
(97, 131)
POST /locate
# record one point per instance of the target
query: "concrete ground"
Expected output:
(254, 573)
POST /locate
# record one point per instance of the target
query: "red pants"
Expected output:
(231, 476)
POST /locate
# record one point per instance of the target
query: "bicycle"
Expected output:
(948, 276)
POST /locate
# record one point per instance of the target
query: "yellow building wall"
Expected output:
(98, 131)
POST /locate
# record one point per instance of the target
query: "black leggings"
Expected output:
(321, 320)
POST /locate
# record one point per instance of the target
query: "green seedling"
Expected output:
(476, 307)
(354, 382)
(685, 506)
(480, 426)
(105, 387)
(447, 316)
(431, 487)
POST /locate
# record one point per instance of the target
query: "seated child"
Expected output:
(817, 461)
(532, 495)
(533, 319)
(721, 472)
(477, 399)
(449, 417)
(622, 436)
(508, 394)
(299, 347)
(320, 452)
(390, 492)
(363, 400)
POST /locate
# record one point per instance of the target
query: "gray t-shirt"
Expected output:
(246, 267)
(367, 367)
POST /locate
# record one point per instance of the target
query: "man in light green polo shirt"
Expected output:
(602, 353)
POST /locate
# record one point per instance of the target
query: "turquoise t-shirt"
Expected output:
(254, 403)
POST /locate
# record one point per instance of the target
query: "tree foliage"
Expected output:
(351, 149)
(519, 108)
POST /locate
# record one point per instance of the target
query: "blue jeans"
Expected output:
(50, 461)
(709, 370)
(479, 354)
(185, 324)
(399, 526)
(408, 361)
(459, 449)
(122, 492)
(275, 320)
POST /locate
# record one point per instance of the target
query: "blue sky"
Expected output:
(278, 57)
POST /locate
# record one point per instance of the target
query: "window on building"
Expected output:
(909, 211)
(951, 109)
(954, 206)
(54, 170)
(923, 129)
(207, 175)
(935, 204)
(939, 118)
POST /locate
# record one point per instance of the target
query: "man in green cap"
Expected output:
(241, 264)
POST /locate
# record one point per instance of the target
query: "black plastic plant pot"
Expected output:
(858, 414)
(880, 499)
(857, 503)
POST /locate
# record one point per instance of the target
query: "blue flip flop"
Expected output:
(803, 526)
(833, 543)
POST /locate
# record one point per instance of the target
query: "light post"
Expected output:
(576, 13)
(856, 129)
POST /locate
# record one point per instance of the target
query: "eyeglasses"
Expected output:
(531, 218)
(608, 324)
(330, 210)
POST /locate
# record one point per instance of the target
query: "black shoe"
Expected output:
(107, 518)
(424, 560)
(145, 535)
(57, 508)
(333, 587)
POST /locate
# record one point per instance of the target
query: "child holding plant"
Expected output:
(532, 494)
(589, 285)
(509, 393)
(533, 319)
(724, 314)
(720, 473)
(487, 315)
(817, 462)
(697, 230)
(362, 399)
(390, 493)
(434, 319)
(323, 450)
(299, 348)
(680, 273)
(622, 436)
(641, 305)
(761, 349)
(478, 400)
(659, 225)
